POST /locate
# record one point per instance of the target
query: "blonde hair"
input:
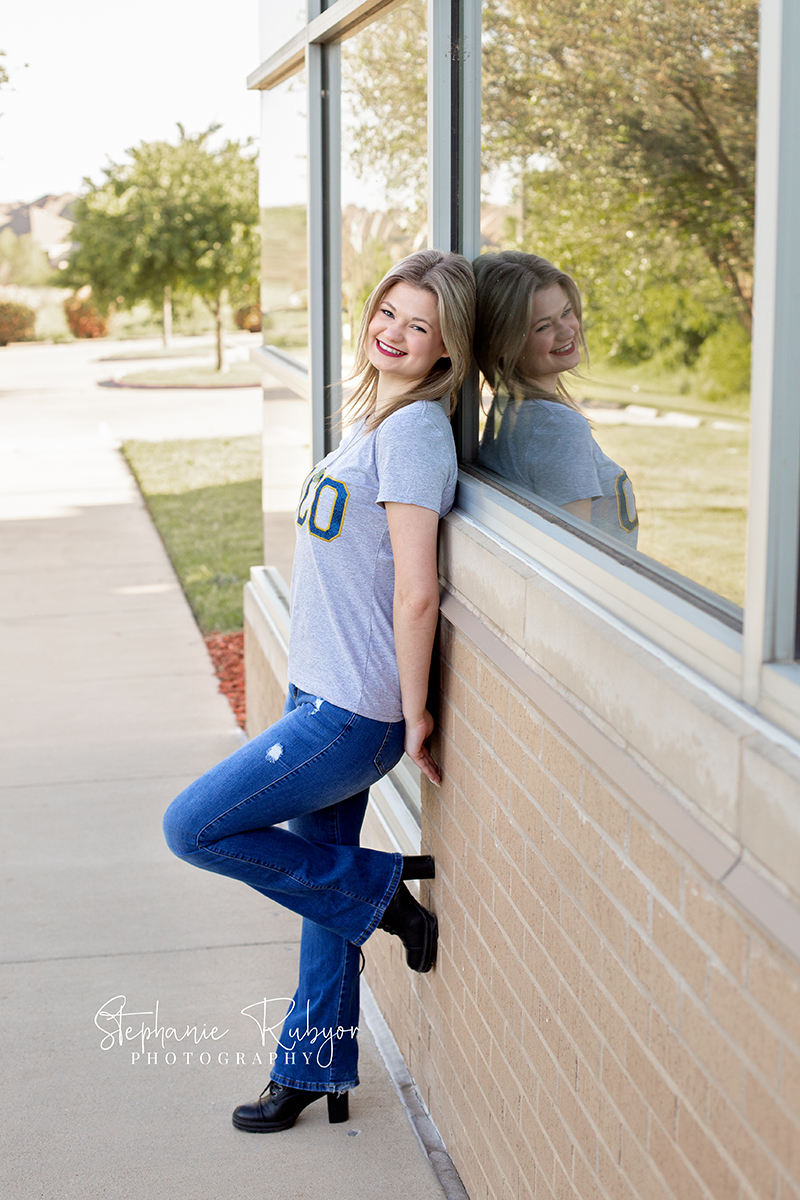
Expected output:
(507, 282)
(449, 278)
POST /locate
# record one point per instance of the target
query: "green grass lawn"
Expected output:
(205, 499)
(691, 492)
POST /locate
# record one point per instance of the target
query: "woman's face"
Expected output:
(404, 340)
(552, 344)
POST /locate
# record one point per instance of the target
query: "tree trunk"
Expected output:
(221, 364)
(166, 316)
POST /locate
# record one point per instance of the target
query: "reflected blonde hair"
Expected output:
(507, 282)
(450, 279)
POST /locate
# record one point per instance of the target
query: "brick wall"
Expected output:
(602, 1021)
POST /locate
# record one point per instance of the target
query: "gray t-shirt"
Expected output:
(342, 640)
(548, 447)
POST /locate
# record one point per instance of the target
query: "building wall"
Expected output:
(615, 1010)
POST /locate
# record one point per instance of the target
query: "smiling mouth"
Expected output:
(390, 350)
(566, 349)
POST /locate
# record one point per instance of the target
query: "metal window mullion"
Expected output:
(468, 181)
(774, 509)
(324, 238)
(441, 229)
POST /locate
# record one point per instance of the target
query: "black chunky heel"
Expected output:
(418, 866)
(338, 1107)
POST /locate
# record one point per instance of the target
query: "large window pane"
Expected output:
(284, 254)
(623, 151)
(384, 155)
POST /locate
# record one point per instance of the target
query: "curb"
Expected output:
(173, 387)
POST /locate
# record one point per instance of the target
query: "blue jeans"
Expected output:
(312, 769)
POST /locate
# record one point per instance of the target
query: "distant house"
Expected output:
(48, 220)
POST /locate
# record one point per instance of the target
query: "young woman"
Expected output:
(528, 332)
(365, 601)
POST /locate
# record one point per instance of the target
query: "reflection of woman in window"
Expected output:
(365, 603)
(528, 332)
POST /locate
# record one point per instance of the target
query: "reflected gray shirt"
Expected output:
(548, 447)
(342, 639)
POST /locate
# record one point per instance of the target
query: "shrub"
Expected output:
(83, 318)
(723, 364)
(248, 318)
(17, 323)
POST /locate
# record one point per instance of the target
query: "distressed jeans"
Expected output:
(312, 769)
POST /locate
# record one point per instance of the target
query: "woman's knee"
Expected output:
(182, 823)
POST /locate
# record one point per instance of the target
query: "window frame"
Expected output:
(756, 666)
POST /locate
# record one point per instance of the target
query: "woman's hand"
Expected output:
(416, 749)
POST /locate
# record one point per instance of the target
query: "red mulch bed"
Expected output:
(227, 655)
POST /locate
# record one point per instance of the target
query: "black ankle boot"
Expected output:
(418, 866)
(417, 928)
(279, 1106)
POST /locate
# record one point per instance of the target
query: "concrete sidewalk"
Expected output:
(109, 707)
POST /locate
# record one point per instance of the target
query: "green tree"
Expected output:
(175, 220)
(22, 260)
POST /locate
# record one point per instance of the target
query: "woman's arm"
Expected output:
(413, 532)
(579, 508)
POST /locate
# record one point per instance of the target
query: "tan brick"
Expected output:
(561, 1047)
(541, 788)
(705, 1157)
(620, 1088)
(452, 763)
(556, 1130)
(627, 994)
(559, 760)
(466, 740)
(648, 968)
(562, 953)
(787, 1190)
(739, 1144)
(510, 837)
(544, 883)
(445, 720)
(790, 1079)
(578, 830)
(776, 985)
(526, 901)
(612, 1179)
(468, 819)
(604, 1015)
(602, 1115)
(525, 723)
(736, 1014)
(717, 927)
(623, 883)
(464, 662)
(496, 858)
(605, 913)
(638, 1168)
(680, 947)
(544, 974)
(580, 1127)
(586, 1181)
(519, 978)
(494, 690)
(579, 1029)
(494, 774)
(712, 1048)
(658, 1093)
(564, 863)
(669, 1160)
(603, 808)
(541, 1057)
(526, 813)
(656, 862)
(773, 1125)
(577, 928)
(508, 751)
(505, 917)
(477, 715)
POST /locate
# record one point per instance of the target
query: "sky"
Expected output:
(103, 77)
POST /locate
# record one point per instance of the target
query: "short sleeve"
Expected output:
(415, 458)
(561, 455)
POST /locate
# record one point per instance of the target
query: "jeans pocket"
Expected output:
(391, 748)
